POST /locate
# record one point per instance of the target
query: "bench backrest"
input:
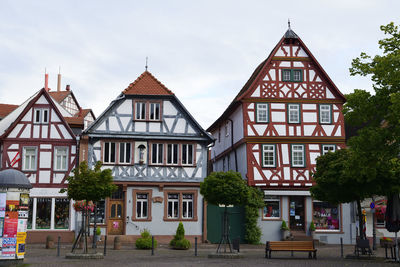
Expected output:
(290, 244)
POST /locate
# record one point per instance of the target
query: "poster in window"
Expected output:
(8, 247)
(3, 197)
(24, 201)
(22, 226)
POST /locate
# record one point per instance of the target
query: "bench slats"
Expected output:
(302, 246)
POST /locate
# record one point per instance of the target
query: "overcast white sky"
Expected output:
(204, 51)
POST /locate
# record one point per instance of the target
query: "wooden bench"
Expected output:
(302, 246)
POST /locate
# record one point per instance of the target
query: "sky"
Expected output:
(204, 51)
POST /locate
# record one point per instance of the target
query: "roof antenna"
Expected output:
(288, 22)
(146, 64)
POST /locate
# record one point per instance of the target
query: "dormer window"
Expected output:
(140, 110)
(41, 116)
(154, 111)
(147, 110)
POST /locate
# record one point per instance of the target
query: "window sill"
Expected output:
(271, 219)
(180, 220)
(141, 220)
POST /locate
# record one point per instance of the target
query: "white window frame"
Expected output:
(139, 107)
(109, 152)
(262, 107)
(266, 149)
(38, 115)
(31, 155)
(173, 148)
(140, 203)
(293, 108)
(186, 203)
(155, 150)
(62, 153)
(173, 201)
(153, 110)
(185, 158)
(294, 75)
(328, 111)
(125, 155)
(272, 199)
(284, 72)
(295, 150)
(328, 148)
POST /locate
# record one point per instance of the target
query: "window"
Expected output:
(155, 111)
(298, 156)
(101, 213)
(272, 208)
(109, 152)
(141, 206)
(140, 110)
(157, 154)
(61, 219)
(325, 114)
(124, 152)
(29, 158)
(227, 129)
(268, 155)
(293, 113)
(328, 148)
(180, 205)
(30, 213)
(60, 158)
(173, 206)
(43, 213)
(289, 75)
(172, 154)
(262, 112)
(187, 206)
(326, 216)
(187, 154)
(41, 115)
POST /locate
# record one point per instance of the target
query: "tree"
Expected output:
(228, 188)
(90, 186)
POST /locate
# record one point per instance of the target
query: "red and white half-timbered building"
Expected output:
(35, 138)
(286, 115)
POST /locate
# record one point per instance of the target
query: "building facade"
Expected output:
(158, 156)
(286, 115)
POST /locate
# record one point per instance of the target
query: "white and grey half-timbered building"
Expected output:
(286, 115)
(158, 156)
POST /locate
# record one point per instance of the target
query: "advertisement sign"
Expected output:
(22, 225)
(8, 247)
(10, 224)
(24, 201)
(21, 237)
(3, 197)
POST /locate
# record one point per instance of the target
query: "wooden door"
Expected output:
(115, 224)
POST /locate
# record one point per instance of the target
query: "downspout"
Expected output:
(203, 206)
(232, 146)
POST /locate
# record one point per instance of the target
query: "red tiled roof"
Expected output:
(74, 121)
(59, 95)
(6, 109)
(147, 84)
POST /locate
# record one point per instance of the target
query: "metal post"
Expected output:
(152, 245)
(341, 247)
(195, 246)
(94, 245)
(58, 246)
(373, 226)
(105, 245)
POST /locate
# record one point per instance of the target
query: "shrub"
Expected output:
(98, 231)
(179, 241)
(144, 242)
(284, 226)
(312, 226)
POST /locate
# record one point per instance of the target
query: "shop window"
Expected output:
(101, 213)
(124, 152)
(187, 206)
(43, 213)
(29, 158)
(61, 219)
(187, 154)
(272, 208)
(30, 212)
(261, 112)
(60, 158)
(109, 152)
(326, 216)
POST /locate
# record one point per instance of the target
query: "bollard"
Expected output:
(341, 247)
(152, 245)
(105, 245)
(58, 246)
(195, 246)
(117, 243)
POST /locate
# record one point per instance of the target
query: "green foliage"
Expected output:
(252, 209)
(226, 188)
(312, 226)
(90, 185)
(98, 231)
(179, 241)
(144, 242)
(284, 226)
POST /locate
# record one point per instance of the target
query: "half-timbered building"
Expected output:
(158, 156)
(287, 114)
(36, 139)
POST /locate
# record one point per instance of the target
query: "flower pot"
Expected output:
(285, 234)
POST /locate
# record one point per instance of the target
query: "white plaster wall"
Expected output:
(169, 108)
(125, 107)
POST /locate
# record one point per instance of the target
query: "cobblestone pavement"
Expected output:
(327, 255)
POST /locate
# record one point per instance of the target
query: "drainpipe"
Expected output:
(232, 147)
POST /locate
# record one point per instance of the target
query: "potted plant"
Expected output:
(385, 241)
(312, 229)
(285, 231)
(144, 242)
(179, 241)
(98, 234)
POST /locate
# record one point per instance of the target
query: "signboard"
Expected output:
(9, 246)
(3, 197)
(24, 201)
(10, 224)
(21, 237)
(22, 225)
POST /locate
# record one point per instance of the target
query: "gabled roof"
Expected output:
(6, 109)
(147, 84)
(289, 34)
(59, 96)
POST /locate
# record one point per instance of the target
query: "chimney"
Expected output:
(67, 87)
(59, 82)
(46, 82)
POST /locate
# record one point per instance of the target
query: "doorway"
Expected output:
(115, 224)
(296, 213)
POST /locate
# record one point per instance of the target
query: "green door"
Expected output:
(214, 223)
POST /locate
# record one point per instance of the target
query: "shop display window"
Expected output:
(272, 207)
(101, 213)
(30, 211)
(326, 216)
(61, 219)
(43, 213)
